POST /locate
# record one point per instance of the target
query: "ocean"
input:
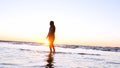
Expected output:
(35, 55)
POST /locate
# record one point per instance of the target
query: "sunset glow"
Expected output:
(46, 42)
(80, 22)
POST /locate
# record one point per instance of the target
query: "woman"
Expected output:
(51, 36)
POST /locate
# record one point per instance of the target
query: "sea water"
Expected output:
(34, 55)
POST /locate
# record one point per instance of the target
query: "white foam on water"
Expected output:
(35, 56)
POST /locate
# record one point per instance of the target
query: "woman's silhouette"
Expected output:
(51, 36)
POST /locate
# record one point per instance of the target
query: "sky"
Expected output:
(79, 22)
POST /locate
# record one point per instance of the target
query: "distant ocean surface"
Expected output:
(35, 55)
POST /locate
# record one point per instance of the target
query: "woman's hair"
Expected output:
(51, 23)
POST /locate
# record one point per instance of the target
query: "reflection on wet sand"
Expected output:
(50, 59)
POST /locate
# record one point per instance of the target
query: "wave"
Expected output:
(113, 49)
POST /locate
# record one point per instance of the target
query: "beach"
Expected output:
(30, 55)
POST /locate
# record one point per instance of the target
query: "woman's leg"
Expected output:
(50, 46)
